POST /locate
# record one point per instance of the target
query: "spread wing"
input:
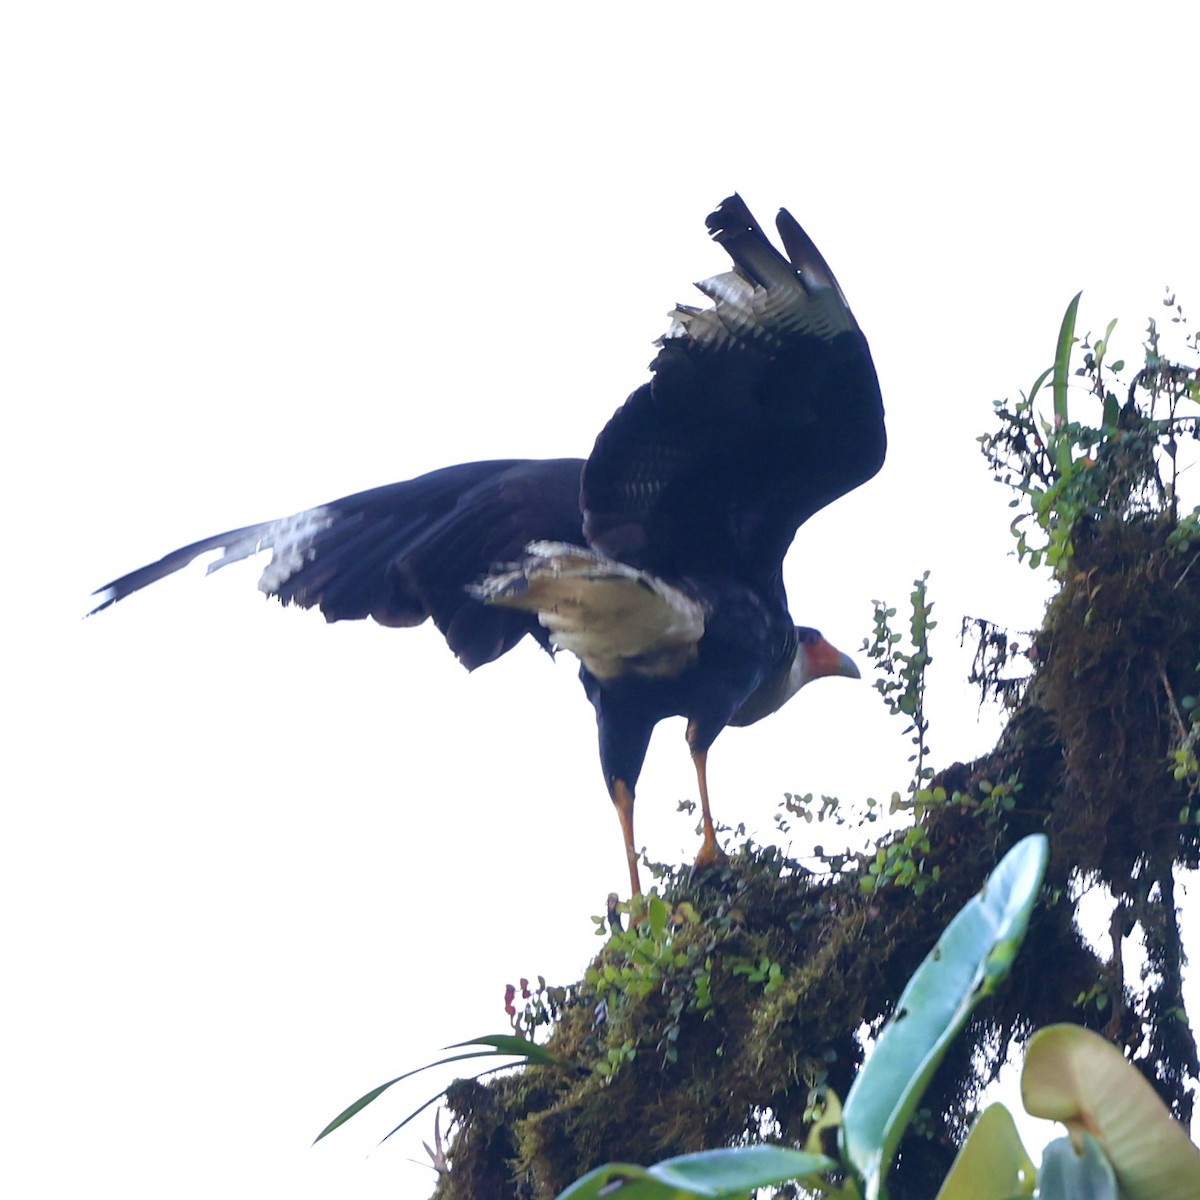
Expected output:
(762, 409)
(406, 552)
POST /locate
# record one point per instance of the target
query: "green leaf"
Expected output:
(993, 1163)
(506, 1043)
(1062, 371)
(969, 961)
(1102, 344)
(709, 1175)
(625, 1180)
(1037, 383)
(503, 1045)
(1068, 1175)
(1112, 412)
(359, 1105)
(657, 914)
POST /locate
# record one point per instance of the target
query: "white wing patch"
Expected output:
(289, 539)
(291, 545)
(615, 619)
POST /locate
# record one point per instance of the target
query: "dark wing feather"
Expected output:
(490, 525)
(406, 552)
(762, 409)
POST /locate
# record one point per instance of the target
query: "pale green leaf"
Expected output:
(1075, 1076)
(993, 1163)
(709, 1175)
(970, 959)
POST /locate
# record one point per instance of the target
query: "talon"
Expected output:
(710, 854)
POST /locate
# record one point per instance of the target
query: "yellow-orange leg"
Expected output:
(622, 798)
(710, 852)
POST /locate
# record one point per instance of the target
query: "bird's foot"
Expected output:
(710, 854)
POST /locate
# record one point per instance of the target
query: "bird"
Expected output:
(657, 560)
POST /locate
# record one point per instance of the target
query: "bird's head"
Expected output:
(814, 658)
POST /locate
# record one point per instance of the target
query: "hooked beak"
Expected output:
(824, 659)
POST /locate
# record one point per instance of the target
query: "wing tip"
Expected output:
(108, 595)
(730, 218)
(804, 256)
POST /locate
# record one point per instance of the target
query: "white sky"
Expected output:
(256, 256)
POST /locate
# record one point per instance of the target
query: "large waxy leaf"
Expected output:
(1070, 1174)
(710, 1175)
(970, 960)
(993, 1163)
(1075, 1076)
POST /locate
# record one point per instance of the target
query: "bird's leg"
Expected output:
(710, 852)
(622, 797)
